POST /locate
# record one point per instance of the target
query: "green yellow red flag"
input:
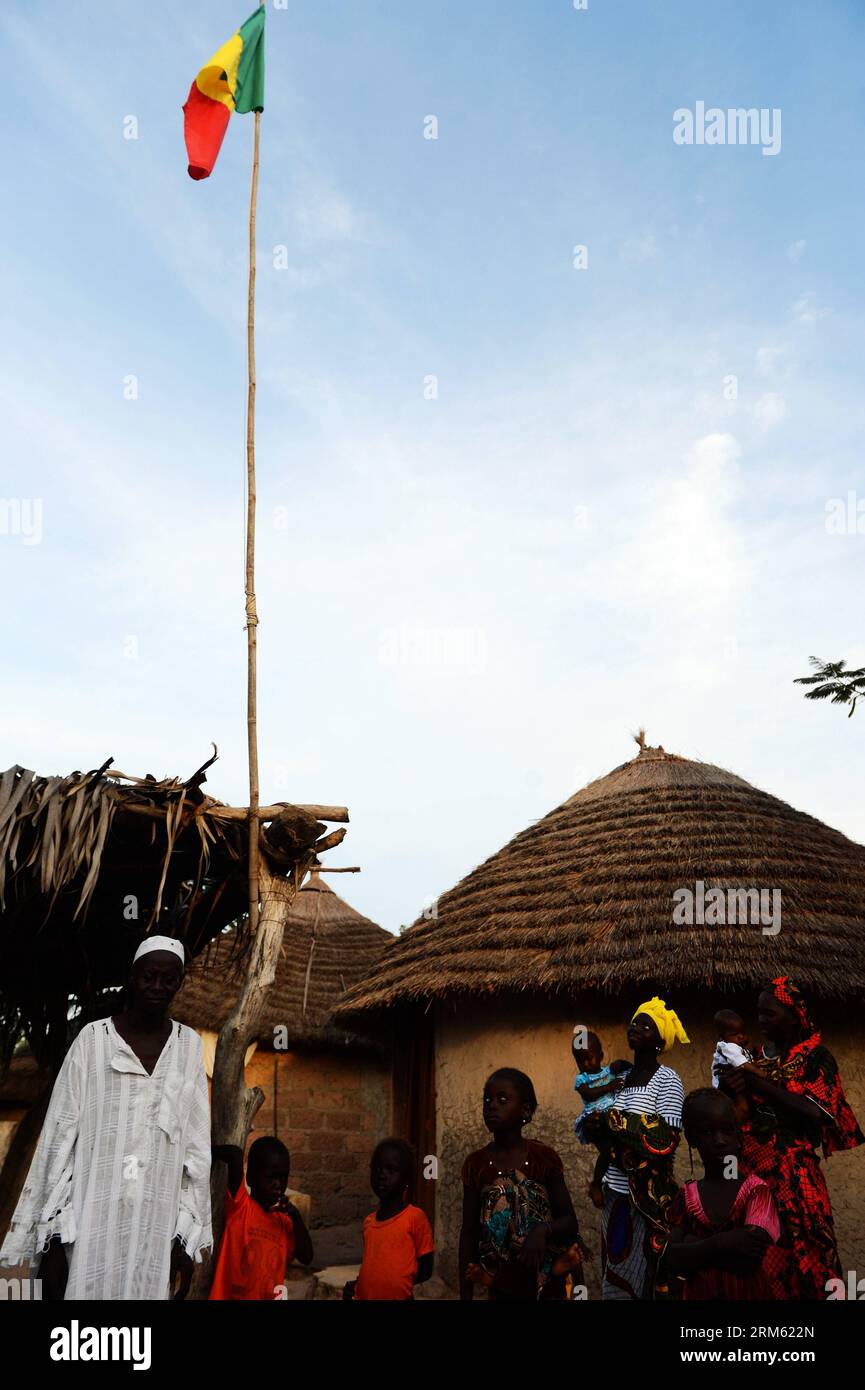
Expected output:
(233, 80)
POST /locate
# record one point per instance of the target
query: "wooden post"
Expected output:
(251, 610)
(275, 1094)
(232, 1105)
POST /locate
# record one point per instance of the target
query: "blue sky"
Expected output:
(468, 603)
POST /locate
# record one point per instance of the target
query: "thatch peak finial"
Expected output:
(640, 739)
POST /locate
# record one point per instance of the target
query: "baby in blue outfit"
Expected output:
(598, 1086)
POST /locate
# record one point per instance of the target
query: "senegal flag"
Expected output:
(233, 80)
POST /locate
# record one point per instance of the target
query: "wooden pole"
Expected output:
(233, 1104)
(251, 610)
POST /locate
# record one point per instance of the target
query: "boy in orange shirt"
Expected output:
(397, 1239)
(264, 1232)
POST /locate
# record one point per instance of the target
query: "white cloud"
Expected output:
(769, 357)
(770, 409)
(806, 310)
(690, 553)
(796, 250)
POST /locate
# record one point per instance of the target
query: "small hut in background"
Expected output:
(572, 922)
(327, 1089)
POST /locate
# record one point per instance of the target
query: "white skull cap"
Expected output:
(161, 943)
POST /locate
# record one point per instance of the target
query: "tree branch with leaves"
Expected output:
(832, 681)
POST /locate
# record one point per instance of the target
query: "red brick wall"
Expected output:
(332, 1109)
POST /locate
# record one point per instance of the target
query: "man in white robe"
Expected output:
(117, 1200)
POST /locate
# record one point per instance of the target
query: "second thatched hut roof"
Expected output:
(326, 948)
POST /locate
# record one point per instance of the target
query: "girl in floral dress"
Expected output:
(519, 1231)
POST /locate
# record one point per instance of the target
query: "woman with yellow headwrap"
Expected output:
(642, 1133)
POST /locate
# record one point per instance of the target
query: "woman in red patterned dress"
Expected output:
(797, 1104)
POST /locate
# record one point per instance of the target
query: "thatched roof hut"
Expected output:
(582, 898)
(327, 947)
(573, 921)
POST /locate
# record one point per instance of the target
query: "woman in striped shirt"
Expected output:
(642, 1133)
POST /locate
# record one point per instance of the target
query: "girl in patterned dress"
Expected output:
(518, 1220)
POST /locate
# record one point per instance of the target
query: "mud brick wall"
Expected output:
(331, 1111)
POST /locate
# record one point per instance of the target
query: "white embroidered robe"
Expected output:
(122, 1166)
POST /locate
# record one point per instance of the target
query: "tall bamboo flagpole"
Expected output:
(251, 610)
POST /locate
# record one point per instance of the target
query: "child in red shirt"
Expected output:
(397, 1238)
(264, 1232)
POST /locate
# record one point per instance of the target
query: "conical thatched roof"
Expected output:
(326, 948)
(583, 899)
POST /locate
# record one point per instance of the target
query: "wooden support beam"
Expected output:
(330, 841)
(333, 813)
(240, 813)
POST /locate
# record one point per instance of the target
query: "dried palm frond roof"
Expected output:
(327, 946)
(583, 899)
(54, 830)
(91, 862)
